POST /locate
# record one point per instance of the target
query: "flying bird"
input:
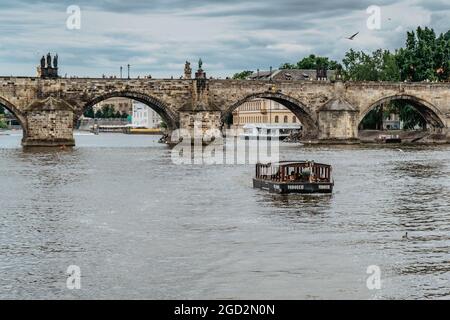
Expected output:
(353, 36)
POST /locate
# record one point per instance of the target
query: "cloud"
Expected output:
(157, 37)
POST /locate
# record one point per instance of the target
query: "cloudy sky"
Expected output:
(156, 36)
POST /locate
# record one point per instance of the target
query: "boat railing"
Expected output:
(294, 172)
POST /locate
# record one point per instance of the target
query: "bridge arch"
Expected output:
(296, 107)
(427, 110)
(16, 112)
(157, 105)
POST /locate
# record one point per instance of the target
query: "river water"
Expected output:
(139, 226)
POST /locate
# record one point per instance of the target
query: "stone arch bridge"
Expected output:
(48, 108)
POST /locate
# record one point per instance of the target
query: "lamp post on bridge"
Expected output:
(120, 72)
(128, 71)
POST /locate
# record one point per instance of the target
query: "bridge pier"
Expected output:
(338, 122)
(49, 123)
(200, 123)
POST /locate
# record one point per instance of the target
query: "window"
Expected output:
(294, 119)
(285, 119)
(276, 119)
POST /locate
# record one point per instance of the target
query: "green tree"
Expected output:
(242, 75)
(3, 124)
(107, 111)
(373, 120)
(287, 65)
(381, 65)
(89, 112)
(312, 62)
(425, 56)
(390, 70)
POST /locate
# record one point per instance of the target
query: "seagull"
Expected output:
(353, 36)
(400, 150)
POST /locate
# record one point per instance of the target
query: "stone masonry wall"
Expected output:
(50, 128)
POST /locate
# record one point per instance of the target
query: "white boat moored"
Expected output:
(269, 131)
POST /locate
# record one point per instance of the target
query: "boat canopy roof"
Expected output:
(295, 163)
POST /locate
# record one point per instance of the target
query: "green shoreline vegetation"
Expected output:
(3, 124)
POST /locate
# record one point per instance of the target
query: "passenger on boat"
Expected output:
(293, 176)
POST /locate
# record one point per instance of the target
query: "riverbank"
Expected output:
(409, 137)
(373, 137)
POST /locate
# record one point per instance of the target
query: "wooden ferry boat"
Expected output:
(294, 177)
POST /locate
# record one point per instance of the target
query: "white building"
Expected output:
(144, 117)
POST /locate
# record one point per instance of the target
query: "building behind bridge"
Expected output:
(123, 105)
(262, 111)
(144, 117)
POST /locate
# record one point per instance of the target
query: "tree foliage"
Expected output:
(373, 120)
(242, 75)
(425, 56)
(107, 111)
(3, 124)
(312, 62)
(381, 65)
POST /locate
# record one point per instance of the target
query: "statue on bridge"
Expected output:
(45, 69)
(55, 61)
(200, 74)
(187, 70)
(49, 60)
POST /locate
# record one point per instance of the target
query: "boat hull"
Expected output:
(262, 137)
(293, 187)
